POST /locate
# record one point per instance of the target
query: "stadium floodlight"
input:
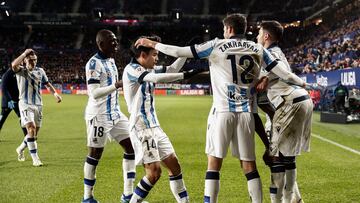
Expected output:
(176, 14)
(98, 12)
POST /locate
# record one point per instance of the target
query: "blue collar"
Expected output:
(133, 60)
(275, 44)
(102, 55)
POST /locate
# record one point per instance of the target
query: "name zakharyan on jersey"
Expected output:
(235, 44)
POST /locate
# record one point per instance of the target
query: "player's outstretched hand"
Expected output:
(58, 97)
(145, 43)
(262, 84)
(267, 158)
(190, 73)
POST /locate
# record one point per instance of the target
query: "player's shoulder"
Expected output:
(93, 61)
(134, 66)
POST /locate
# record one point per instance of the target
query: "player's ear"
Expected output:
(143, 54)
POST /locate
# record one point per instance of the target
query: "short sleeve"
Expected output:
(136, 72)
(269, 61)
(44, 78)
(93, 71)
(203, 50)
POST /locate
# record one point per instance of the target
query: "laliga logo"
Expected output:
(321, 80)
(348, 78)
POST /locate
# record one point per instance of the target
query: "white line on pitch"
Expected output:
(336, 144)
(329, 141)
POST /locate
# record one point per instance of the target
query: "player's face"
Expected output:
(151, 59)
(260, 37)
(110, 44)
(227, 30)
(31, 61)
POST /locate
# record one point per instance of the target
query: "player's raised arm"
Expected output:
(15, 64)
(170, 50)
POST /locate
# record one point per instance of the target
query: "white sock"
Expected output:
(290, 179)
(254, 186)
(129, 173)
(89, 176)
(23, 145)
(178, 189)
(277, 183)
(32, 145)
(141, 191)
(212, 186)
(297, 194)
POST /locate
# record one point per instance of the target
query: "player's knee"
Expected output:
(154, 174)
(127, 146)
(248, 166)
(31, 130)
(95, 152)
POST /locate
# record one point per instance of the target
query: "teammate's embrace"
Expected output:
(291, 122)
(234, 68)
(29, 79)
(103, 116)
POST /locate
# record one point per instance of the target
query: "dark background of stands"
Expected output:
(63, 32)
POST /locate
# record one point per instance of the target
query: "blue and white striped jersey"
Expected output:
(235, 65)
(29, 84)
(103, 71)
(139, 96)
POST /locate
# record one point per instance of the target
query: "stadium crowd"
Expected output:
(325, 47)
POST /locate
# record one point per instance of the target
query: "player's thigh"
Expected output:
(164, 145)
(243, 143)
(97, 132)
(219, 133)
(27, 115)
(149, 145)
(38, 115)
(120, 130)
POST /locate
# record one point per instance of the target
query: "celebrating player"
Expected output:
(103, 116)
(291, 123)
(29, 80)
(152, 144)
(234, 67)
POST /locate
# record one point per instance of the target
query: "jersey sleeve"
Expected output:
(136, 73)
(93, 72)
(44, 78)
(160, 69)
(203, 50)
(269, 62)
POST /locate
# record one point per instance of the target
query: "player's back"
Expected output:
(234, 68)
(277, 88)
(102, 71)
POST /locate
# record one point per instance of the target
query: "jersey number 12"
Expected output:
(249, 66)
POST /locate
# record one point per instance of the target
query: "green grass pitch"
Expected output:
(326, 174)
